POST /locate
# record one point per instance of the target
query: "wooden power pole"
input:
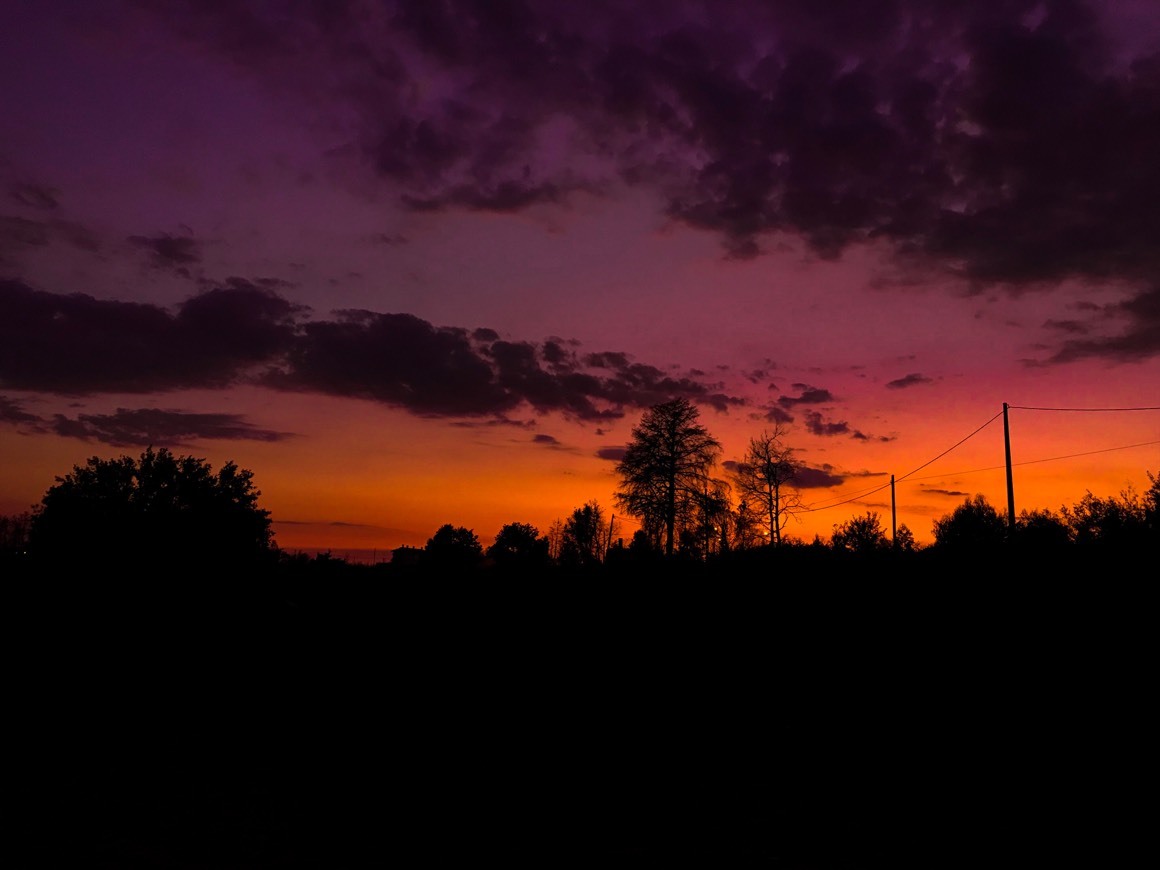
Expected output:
(1010, 484)
(893, 515)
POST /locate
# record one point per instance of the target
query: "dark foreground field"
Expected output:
(362, 723)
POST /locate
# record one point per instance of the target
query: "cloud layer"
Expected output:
(1003, 144)
(1009, 142)
(241, 333)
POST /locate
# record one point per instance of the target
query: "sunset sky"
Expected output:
(416, 262)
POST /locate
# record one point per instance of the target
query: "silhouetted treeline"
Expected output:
(162, 515)
(799, 705)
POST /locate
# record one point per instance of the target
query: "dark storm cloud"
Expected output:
(140, 427)
(18, 234)
(76, 344)
(520, 375)
(160, 428)
(611, 454)
(607, 360)
(804, 477)
(819, 425)
(807, 395)
(242, 332)
(35, 196)
(397, 359)
(12, 413)
(1007, 142)
(776, 415)
(404, 361)
(1140, 340)
(953, 493)
(1071, 326)
(169, 252)
(816, 424)
(807, 477)
(911, 380)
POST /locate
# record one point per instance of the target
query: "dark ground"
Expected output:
(739, 724)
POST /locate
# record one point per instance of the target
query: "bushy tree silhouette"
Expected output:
(904, 540)
(973, 527)
(519, 546)
(860, 535)
(1041, 531)
(1152, 508)
(1112, 522)
(453, 547)
(157, 511)
(582, 543)
(665, 468)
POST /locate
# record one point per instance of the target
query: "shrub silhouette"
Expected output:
(153, 511)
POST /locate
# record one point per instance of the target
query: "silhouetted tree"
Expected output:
(642, 547)
(159, 510)
(665, 467)
(555, 538)
(584, 536)
(764, 480)
(860, 535)
(710, 519)
(1042, 531)
(519, 545)
(747, 527)
(453, 547)
(973, 527)
(1152, 507)
(1108, 522)
(690, 544)
(14, 531)
(904, 540)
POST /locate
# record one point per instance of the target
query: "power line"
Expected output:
(1089, 452)
(821, 505)
(812, 509)
(1036, 461)
(858, 495)
(949, 449)
(1031, 408)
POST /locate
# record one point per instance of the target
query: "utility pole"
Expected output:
(893, 515)
(1010, 484)
(608, 546)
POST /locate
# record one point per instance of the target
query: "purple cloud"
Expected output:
(807, 395)
(1006, 143)
(818, 425)
(244, 332)
(76, 344)
(36, 196)
(911, 380)
(169, 252)
(160, 428)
